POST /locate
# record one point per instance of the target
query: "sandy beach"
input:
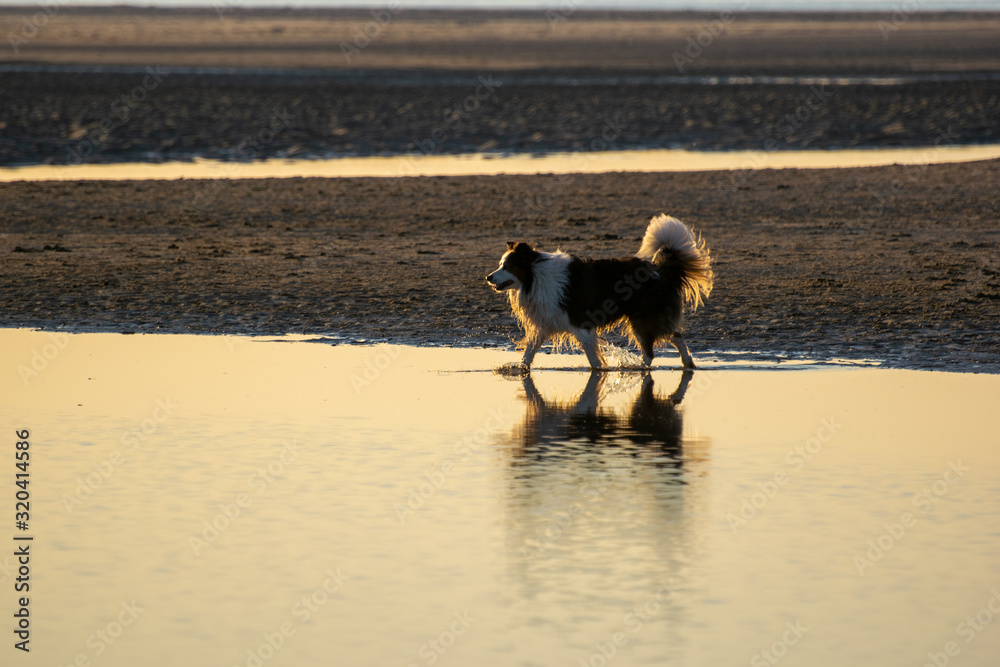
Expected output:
(892, 263)
(896, 263)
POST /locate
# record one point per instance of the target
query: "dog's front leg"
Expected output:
(591, 396)
(682, 348)
(531, 347)
(591, 347)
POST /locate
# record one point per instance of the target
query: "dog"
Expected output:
(565, 298)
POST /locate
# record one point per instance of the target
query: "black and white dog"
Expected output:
(559, 296)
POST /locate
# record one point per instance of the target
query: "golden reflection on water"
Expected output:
(596, 477)
(300, 503)
(492, 164)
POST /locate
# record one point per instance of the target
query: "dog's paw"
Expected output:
(513, 369)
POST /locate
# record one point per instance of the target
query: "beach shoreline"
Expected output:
(893, 263)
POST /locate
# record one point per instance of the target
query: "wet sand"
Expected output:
(250, 116)
(563, 37)
(145, 85)
(892, 263)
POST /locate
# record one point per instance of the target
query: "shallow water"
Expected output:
(590, 162)
(293, 502)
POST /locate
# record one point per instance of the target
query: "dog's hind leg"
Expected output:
(678, 341)
(647, 352)
(591, 345)
(644, 338)
(678, 395)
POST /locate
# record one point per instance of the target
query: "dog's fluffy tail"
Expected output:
(668, 240)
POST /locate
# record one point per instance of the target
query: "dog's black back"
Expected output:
(605, 291)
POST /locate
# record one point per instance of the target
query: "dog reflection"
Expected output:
(653, 421)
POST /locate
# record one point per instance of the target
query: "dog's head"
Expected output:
(515, 268)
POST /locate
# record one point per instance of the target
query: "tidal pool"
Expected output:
(588, 162)
(235, 501)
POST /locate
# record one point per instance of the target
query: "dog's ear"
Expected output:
(511, 244)
(520, 246)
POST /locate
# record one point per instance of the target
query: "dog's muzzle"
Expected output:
(498, 287)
